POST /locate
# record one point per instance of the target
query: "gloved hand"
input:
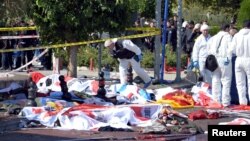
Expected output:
(114, 54)
(196, 64)
(138, 58)
(226, 62)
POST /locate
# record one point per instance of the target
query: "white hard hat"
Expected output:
(109, 42)
(184, 24)
(204, 27)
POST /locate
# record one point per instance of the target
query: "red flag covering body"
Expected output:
(178, 99)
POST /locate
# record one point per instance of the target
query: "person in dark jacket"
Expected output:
(172, 35)
(5, 56)
(127, 53)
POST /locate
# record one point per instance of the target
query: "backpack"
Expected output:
(211, 63)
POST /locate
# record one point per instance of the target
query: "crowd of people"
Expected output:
(222, 47)
(16, 59)
(212, 55)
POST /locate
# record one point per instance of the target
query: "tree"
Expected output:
(244, 13)
(230, 7)
(64, 21)
(11, 10)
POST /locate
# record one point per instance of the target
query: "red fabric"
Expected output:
(95, 86)
(180, 97)
(36, 76)
(240, 107)
(67, 78)
(201, 114)
(170, 69)
(207, 101)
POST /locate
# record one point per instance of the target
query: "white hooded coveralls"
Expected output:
(222, 76)
(124, 63)
(200, 53)
(240, 46)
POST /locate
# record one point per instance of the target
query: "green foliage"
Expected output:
(170, 56)
(148, 59)
(244, 13)
(68, 21)
(108, 60)
(85, 53)
(147, 8)
(62, 54)
(64, 21)
(13, 10)
(214, 30)
(171, 60)
(228, 7)
(197, 14)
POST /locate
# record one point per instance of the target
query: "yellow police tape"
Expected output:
(149, 32)
(17, 28)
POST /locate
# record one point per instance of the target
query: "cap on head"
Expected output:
(109, 42)
(204, 27)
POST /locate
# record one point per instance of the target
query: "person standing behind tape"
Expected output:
(222, 76)
(6, 56)
(127, 52)
(200, 53)
(241, 48)
(29, 42)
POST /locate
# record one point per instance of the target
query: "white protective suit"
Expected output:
(222, 76)
(240, 46)
(200, 53)
(124, 63)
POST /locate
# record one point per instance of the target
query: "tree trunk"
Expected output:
(72, 66)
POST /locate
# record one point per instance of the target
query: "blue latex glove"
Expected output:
(226, 62)
(196, 64)
(138, 58)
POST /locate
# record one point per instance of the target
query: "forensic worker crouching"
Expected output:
(127, 53)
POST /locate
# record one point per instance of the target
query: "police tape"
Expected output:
(17, 28)
(153, 32)
(18, 37)
(145, 29)
(34, 28)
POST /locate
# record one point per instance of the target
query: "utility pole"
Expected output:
(178, 56)
(99, 58)
(164, 35)
(157, 52)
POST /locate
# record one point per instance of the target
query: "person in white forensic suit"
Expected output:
(200, 53)
(127, 53)
(240, 46)
(222, 76)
